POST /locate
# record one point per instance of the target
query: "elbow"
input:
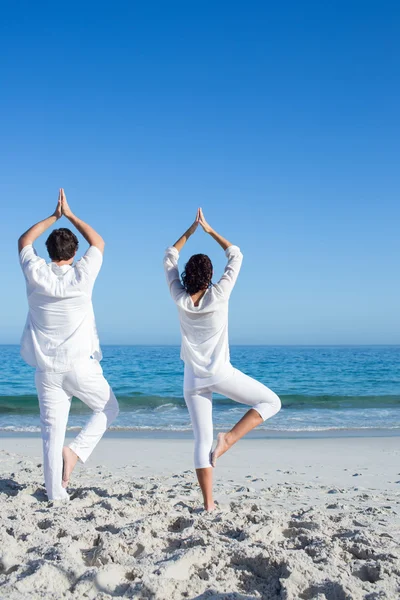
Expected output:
(100, 244)
(22, 242)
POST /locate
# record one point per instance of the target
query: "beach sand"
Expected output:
(297, 519)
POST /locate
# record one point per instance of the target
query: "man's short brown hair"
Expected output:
(62, 244)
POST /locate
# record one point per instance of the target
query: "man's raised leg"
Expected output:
(92, 388)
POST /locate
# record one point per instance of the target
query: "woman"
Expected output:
(203, 314)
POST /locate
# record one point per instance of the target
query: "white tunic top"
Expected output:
(204, 328)
(60, 329)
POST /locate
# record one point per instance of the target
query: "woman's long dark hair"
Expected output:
(197, 274)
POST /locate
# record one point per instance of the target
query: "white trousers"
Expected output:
(55, 391)
(238, 387)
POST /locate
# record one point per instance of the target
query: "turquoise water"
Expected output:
(321, 388)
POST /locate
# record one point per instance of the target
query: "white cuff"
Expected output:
(232, 250)
(172, 250)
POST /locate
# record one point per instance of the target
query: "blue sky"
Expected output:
(280, 119)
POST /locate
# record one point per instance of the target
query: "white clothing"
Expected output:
(238, 387)
(55, 391)
(60, 329)
(204, 328)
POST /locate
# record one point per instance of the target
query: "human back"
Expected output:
(60, 328)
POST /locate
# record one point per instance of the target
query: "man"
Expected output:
(60, 340)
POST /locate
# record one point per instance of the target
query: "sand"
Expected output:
(297, 519)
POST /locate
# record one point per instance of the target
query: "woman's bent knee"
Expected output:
(277, 404)
(269, 407)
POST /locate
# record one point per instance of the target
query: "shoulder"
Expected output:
(92, 259)
(217, 293)
(28, 258)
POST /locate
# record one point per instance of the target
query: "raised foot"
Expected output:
(221, 447)
(69, 461)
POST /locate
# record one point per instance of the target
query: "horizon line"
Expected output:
(355, 345)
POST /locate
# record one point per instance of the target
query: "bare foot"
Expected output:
(210, 507)
(221, 447)
(69, 461)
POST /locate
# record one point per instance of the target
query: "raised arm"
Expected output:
(184, 238)
(171, 261)
(90, 235)
(233, 254)
(30, 236)
(208, 229)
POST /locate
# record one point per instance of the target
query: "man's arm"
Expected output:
(184, 238)
(36, 230)
(90, 235)
(208, 229)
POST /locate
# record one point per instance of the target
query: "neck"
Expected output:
(61, 263)
(198, 296)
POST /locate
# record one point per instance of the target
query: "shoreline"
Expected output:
(348, 461)
(263, 434)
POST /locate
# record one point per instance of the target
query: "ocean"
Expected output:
(322, 388)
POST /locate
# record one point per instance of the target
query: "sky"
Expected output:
(281, 120)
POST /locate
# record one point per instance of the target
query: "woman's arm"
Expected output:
(184, 238)
(208, 229)
(231, 272)
(171, 261)
(233, 254)
(36, 230)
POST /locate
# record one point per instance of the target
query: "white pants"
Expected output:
(238, 387)
(55, 391)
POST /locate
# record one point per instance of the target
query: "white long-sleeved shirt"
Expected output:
(60, 329)
(204, 328)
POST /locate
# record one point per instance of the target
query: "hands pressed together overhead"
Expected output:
(62, 206)
(62, 209)
(200, 220)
